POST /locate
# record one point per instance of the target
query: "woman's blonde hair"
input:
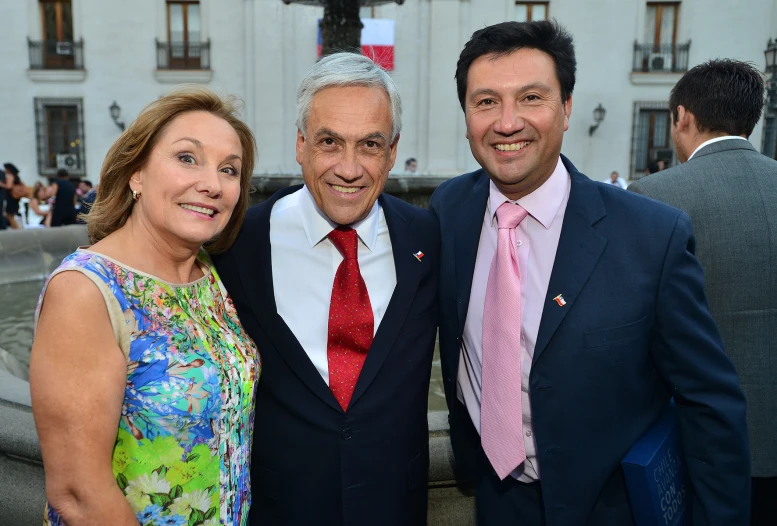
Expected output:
(132, 149)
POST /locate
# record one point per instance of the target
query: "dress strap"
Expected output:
(119, 322)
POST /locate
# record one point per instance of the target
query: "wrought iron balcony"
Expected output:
(183, 55)
(51, 54)
(661, 58)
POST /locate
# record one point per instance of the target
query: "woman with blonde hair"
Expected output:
(39, 211)
(142, 378)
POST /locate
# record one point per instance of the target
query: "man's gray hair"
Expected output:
(347, 69)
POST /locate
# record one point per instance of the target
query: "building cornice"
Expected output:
(181, 76)
(655, 79)
(57, 75)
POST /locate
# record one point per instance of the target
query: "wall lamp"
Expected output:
(115, 114)
(599, 114)
(771, 55)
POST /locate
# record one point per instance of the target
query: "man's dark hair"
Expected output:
(62, 174)
(723, 95)
(87, 182)
(502, 39)
(410, 160)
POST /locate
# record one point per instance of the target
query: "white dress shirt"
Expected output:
(304, 263)
(537, 238)
(716, 139)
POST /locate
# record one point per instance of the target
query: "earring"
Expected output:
(135, 195)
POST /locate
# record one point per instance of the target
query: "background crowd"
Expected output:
(58, 203)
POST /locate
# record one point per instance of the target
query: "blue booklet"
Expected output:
(656, 476)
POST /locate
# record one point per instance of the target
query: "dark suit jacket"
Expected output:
(730, 192)
(311, 462)
(635, 330)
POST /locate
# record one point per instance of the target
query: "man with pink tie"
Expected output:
(570, 311)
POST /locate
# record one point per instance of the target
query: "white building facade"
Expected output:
(65, 63)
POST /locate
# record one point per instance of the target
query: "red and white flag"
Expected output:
(377, 41)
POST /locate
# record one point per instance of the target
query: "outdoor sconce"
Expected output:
(115, 114)
(771, 55)
(599, 113)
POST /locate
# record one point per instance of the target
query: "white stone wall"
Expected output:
(260, 50)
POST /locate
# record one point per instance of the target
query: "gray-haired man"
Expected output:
(336, 282)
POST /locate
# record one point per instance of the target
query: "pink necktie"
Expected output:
(501, 417)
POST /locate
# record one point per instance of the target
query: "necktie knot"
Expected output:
(345, 240)
(509, 215)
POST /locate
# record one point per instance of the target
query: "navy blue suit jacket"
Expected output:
(311, 462)
(635, 330)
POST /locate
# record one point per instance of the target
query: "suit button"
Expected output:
(346, 434)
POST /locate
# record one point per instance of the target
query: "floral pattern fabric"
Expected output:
(182, 449)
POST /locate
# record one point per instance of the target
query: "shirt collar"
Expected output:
(318, 226)
(542, 204)
(716, 139)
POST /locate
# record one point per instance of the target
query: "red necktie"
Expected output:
(350, 319)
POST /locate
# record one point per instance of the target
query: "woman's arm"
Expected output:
(77, 380)
(34, 204)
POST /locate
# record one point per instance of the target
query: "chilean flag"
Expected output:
(377, 41)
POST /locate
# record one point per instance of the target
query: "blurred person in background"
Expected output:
(142, 378)
(86, 197)
(616, 180)
(3, 222)
(411, 165)
(39, 210)
(63, 210)
(729, 190)
(15, 189)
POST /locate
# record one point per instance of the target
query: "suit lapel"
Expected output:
(469, 225)
(408, 271)
(265, 310)
(579, 248)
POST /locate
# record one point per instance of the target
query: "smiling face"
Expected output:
(516, 118)
(190, 183)
(347, 151)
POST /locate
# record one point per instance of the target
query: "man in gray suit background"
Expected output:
(730, 192)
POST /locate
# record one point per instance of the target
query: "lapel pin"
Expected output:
(418, 255)
(560, 300)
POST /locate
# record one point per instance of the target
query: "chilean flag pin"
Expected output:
(418, 255)
(560, 300)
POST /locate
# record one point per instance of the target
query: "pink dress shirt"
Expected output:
(537, 238)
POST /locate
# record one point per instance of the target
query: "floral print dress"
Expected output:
(183, 445)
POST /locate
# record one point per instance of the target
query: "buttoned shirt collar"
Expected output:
(317, 225)
(542, 204)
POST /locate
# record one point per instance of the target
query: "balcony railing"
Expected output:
(51, 54)
(661, 58)
(183, 55)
